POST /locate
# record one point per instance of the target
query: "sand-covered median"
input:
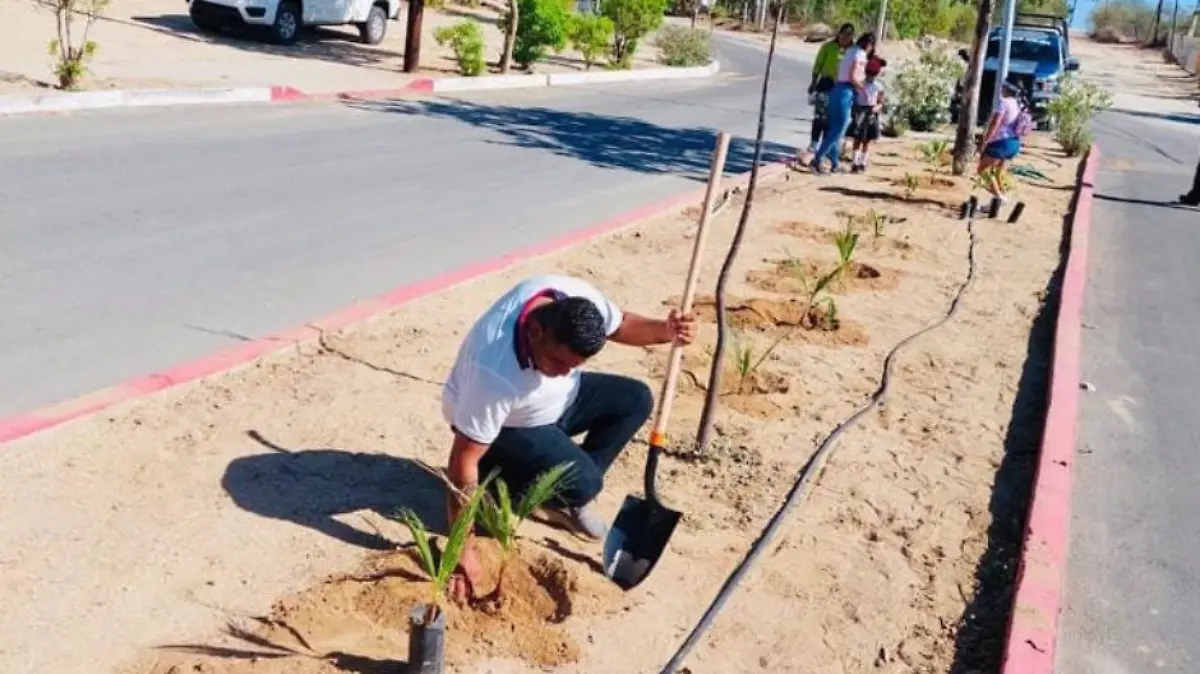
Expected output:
(237, 526)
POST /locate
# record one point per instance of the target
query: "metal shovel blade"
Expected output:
(637, 540)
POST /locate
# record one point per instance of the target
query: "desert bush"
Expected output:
(544, 26)
(684, 47)
(591, 36)
(1123, 20)
(1078, 103)
(920, 91)
(435, 4)
(71, 55)
(632, 20)
(466, 41)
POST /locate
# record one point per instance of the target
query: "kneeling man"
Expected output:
(515, 398)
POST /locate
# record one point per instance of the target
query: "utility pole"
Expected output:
(412, 36)
(1010, 16)
(881, 23)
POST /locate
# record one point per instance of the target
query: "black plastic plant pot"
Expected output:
(994, 210)
(970, 207)
(1016, 212)
(426, 642)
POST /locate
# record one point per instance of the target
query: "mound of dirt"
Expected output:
(790, 277)
(363, 618)
(792, 316)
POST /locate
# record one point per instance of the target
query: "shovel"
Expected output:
(643, 526)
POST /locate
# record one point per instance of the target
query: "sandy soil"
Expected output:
(146, 44)
(223, 527)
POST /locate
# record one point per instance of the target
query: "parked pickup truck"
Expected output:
(285, 18)
(1038, 58)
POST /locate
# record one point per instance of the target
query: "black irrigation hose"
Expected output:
(810, 470)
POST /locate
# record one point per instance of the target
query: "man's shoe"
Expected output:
(580, 520)
(1189, 199)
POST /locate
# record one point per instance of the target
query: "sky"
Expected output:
(1083, 11)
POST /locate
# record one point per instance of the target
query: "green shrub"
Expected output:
(632, 20)
(591, 36)
(920, 91)
(1123, 20)
(684, 47)
(1077, 104)
(435, 4)
(466, 40)
(543, 26)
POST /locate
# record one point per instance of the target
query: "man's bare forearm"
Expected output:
(463, 472)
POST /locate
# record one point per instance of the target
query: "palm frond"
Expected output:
(545, 487)
(495, 513)
(456, 541)
(420, 536)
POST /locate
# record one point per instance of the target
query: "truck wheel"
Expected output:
(375, 28)
(286, 28)
(204, 22)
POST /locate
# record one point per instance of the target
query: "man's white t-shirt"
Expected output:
(488, 389)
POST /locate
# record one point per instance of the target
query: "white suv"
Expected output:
(284, 18)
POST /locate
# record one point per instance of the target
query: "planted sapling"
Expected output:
(440, 567)
(936, 154)
(502, 519)
(846, 241)
(912, 182)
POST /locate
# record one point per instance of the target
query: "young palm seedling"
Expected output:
(876, 220)
(846, 241)
(746, 362)
(936, 153)
(912, 182)
(502, 519)
(440, 567)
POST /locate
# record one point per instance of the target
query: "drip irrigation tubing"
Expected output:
(814, 465)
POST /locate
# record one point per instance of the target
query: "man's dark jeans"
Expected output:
(609, 409)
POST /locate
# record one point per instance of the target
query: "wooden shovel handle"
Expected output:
(662, 413)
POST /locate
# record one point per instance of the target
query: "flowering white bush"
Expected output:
(920, 91)
(1078, 102)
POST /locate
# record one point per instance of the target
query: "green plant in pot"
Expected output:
(427, 622)
(502, 518)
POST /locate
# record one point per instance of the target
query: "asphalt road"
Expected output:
(131, 240)
(1133, 583)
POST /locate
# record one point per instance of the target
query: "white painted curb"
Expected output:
(490, 83)
(607, 76)
(91, 100)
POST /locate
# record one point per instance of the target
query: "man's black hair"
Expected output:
(846, 28)
(574, 322)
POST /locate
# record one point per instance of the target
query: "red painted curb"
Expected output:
(291, 94)
(1037, 601)
(28, 423)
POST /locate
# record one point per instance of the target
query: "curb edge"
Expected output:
(1032, 636)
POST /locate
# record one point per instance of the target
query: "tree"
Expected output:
(632, 20)
(510, 36)
(964, 139)
(71, 55)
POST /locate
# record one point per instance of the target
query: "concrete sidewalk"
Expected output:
(1133, 590)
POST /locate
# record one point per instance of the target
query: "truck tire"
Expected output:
(204, 22)
(373, 30)
(286, 28)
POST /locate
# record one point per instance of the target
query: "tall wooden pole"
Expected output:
(412, 36)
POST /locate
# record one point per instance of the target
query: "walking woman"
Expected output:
(851, 78)
(1002, 140)
(824, 75)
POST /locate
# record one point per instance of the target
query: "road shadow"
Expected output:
(1145, 202)
(1180, 117)
(605, 141)
(312, 487)
(321, 44)
(253, 647)
(983, 626)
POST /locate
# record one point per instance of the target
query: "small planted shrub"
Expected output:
(466, 41)
(746, 361)
(544, 27)
(72, 55)
(846, 241)
(632, 20)
(683, 47)
(921, 89)
(502, 519)
(875, 220)
(591, 35)
(1078, 103)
